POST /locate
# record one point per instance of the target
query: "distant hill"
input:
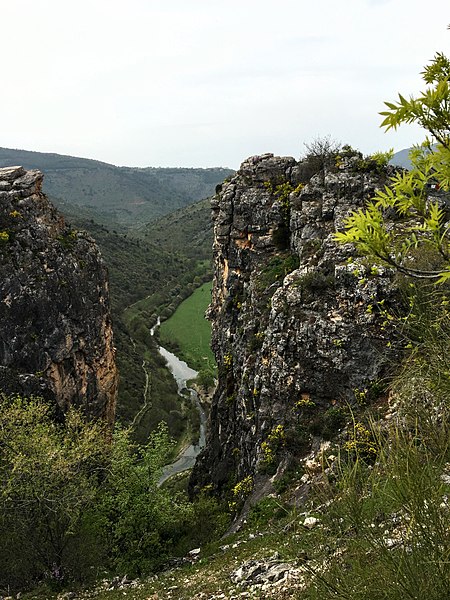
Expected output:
(401, 158)
(188, 230)
(125, 195)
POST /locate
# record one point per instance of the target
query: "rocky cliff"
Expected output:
(299, 323)
(55, 332)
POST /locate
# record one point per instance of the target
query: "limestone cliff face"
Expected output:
(55, 326)
(298, 325)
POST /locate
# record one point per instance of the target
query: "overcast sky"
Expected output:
(209, 82)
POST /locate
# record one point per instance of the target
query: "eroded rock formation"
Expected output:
(299, 324)
(55, 326)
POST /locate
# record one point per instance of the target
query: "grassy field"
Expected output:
(188, 333)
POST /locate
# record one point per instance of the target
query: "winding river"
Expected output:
(182, 373)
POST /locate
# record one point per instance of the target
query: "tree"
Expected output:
(407, 220)
(50, 476)
(73, 501)
(205, 379)
(320, 154)
(142, 519)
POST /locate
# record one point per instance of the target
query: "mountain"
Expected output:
(401, 158)
(126, 195)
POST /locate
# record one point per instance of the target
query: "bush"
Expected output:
(321, 154)
(51, 476)
(73, 501)
(393, 522)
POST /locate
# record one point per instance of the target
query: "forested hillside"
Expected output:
(125, 195)
(151, 271)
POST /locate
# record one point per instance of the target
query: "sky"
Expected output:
(203, 83)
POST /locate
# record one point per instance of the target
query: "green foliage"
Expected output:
(240, 492)
(420, 221)
(334, 420)
(74, 501)
(265, 512)
(391, 521)
(272, 446)
(51, 476)
(228, 361)
(375, 163)
(430, 109)
(142, 520)
(382, 158)
(361, 443)
(68, 239)
(315, 282)
(276, 270)
(311, 419)
(424, 377)
(205, 379)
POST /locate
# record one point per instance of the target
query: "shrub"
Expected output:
(73, 501)
(51, 476)
(276, 269)
(392, 523)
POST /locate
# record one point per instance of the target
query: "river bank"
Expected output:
(182, 373)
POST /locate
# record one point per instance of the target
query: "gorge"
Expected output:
(306, 338)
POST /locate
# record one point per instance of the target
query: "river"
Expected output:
(182, 373)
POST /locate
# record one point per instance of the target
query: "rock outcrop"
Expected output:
(299, 323)
(55, 326)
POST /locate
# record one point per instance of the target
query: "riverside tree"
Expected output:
(409, 219)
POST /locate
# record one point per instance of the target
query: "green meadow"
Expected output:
(188, 333)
